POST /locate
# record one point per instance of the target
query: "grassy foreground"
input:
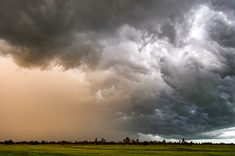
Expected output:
(72, 150)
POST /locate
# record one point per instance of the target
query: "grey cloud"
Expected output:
(224, 6)
(191, 99)
(222, 31)
(143, 60)
(45, 30)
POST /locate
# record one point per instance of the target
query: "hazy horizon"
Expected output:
(149, 70)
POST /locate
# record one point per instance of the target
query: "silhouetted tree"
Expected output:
(133, 142)
(31, 142)
(102, 141)
(137, 141)
(146, 143)
(127, 140)
(95, 141)
(42, 142)
(10, 142)
(64, 142)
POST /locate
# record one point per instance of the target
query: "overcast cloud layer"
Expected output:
(156, 67)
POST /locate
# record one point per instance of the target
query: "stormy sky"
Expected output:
(80, 69)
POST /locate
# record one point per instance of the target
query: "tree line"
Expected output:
(126, 141)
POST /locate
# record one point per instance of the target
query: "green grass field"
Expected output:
(72, 150)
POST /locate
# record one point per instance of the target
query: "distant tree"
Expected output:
(102, 141)
(183, 140)
(31, 142)
(127, 140)
(133, 142)
(42, 142)
(63, 142)
(155, 142)
(10, 142)
(146, 143)
(111, 143)
(164, 142)
(137, 141)
(124, 141)
(95, 141)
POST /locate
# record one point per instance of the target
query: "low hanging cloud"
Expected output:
(158, 67)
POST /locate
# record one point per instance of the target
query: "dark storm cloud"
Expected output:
(219, 29)
(72, 30)
(158, 67)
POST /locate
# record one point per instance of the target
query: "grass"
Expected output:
(107, 150)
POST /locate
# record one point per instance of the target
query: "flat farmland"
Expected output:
(107, 150)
